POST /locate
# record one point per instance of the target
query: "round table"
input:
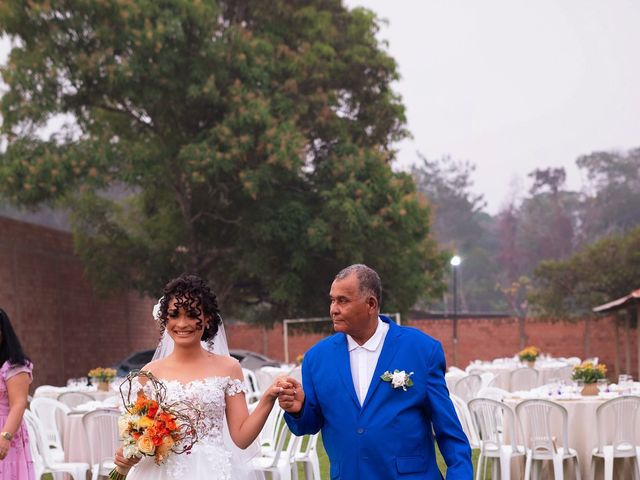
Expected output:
(583, 436)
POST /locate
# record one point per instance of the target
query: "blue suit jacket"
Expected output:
(390, 435)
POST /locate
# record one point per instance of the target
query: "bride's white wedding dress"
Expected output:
(209, 458)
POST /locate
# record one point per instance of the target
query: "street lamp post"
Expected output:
(455, 262)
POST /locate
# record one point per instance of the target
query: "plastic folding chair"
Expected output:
(467, 387)
(536, 418)
(51, 414)
(73, 399)
(493, 393)
(251, 381)
(41, 454)
(490, 419)
(307, 455)
(524, 379)
(103, 438)
(616, 421)
(466, 421)
(280, 460)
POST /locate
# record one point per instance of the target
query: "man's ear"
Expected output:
(372, 302)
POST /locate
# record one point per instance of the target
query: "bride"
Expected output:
(189, 319)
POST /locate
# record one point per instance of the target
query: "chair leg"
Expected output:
(558, 472)
(527, 467)
(505, 467)
(592, 468)
(608, 467)
(479, 466)
(577, 467)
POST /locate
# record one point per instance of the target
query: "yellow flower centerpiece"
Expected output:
(102, 377)
(589, 374)
(529, 354)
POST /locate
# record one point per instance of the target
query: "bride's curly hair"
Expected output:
(194, 296)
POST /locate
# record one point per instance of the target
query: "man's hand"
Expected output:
(292, 396)
(124, 462)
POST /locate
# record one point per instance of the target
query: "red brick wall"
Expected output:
(482, 339)
(63, 325)
(67, 329)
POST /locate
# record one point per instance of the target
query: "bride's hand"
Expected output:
(291, 398)
(277, 388)
(123, 461)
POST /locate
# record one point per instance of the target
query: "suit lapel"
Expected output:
(344, 366)
(389, 350)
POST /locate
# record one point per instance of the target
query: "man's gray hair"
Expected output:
(368, 279)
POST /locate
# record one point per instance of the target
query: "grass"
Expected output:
(324, 462)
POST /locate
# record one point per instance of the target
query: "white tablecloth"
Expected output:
(549, 370)
(582, 436)
(50, 391)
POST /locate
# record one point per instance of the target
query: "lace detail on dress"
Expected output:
(236, 386)
(208, 396)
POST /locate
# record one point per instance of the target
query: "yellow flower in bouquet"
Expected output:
(529, 354)
(100, 374)
(589, 373)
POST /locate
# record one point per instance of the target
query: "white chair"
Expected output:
(493, 393)
(524, 379)
(51, 414)
(296, 373)
(103, 438)
(467, 387)
(616, 421)
(251, 381)
(563, 373)
(268, 436)
(307, 455)
(280, 460)
(573, 361)
(465, 420)
(536, 419)
(491, 419)
(43, 462)
(73, 399)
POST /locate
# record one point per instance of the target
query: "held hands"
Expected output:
(291, 396)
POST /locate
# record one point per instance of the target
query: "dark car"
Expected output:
(135, 361)
(247, 358)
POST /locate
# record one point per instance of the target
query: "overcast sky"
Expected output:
(513, 85)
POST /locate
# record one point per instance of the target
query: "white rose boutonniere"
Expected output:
(398, 379)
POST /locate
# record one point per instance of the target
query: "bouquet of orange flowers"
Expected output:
(151, 426)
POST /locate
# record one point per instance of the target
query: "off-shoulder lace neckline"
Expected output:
(197, 380)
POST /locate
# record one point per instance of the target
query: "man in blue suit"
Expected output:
(377, 392)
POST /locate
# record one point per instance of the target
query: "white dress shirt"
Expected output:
(364, 358)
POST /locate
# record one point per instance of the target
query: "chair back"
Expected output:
(251, 382)
(493, 393)
(51, 414)
(467, 387)
(616, 424)
(280, 445)
(536, 417)
(563, 373)
(35, 443)
(466, 421)
(73, 399)
(573, 361)
(307, 448)
(524, 379)
(491, 420)
(269, 433)
(103, 437)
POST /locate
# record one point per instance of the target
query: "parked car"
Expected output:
(247, 358)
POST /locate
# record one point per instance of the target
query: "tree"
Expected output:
(247, 141)
(600, 272)
(612, 194)
(461, 226)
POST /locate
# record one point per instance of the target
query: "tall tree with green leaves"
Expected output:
(598, 273)
(247, 141)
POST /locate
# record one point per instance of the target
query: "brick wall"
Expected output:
(63, 325)
(67, 329)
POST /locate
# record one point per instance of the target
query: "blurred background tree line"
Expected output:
(252, 142)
